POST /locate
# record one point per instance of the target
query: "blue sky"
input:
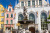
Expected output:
(7, 2)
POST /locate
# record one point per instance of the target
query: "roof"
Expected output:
(10, 5)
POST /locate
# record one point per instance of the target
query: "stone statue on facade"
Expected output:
(25, 13)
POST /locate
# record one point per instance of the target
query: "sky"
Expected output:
(5, 3)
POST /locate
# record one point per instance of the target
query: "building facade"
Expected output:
(2, 16)
(9, 18)
(37, 10)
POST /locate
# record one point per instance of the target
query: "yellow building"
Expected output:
(1, 17)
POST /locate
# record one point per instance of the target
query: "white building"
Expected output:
(38, 11)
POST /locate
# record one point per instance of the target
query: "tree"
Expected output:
(48, 20)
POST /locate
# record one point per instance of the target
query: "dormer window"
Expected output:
(28, 3)
(40, 2)
(9, 9)
(22, 3)
(33, 2)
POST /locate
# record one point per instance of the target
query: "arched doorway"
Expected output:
(32, 29)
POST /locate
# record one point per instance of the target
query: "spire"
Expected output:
(48, 1)
(6, 6)
(10, 4)
(16, 3)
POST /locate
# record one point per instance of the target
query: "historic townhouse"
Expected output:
(9, 18)
(37, 11)
(2, 17)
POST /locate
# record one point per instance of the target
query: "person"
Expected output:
(42, 31)
(46, 31)
(37, 31)
(7, 31)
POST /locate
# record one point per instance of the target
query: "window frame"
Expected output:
(22, 3)
(20, 17)
(11, 15)
(10, 9)
(6, 21)
(33, 3)
(2, 14)
(2, 19)
(40, 2)
(33, 17)
(29, 3)
(7, 15)
(43, 16)
(11, 22)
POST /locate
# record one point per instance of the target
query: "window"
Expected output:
(22, 3)
(20, 17)
(2, 26)
(2, 19)
(36, 2)
(2, 14)
(1, 9)
(11, 21)
(40, 2)
(28, 3)
(7, 15)
(32, 17)
(11, 15)
(9, 9)
(6, 21)
(33, 2)
(43, 20)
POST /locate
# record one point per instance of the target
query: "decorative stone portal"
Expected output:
(33, 28)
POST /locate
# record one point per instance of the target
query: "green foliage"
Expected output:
(47, 22)
(48, 17)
